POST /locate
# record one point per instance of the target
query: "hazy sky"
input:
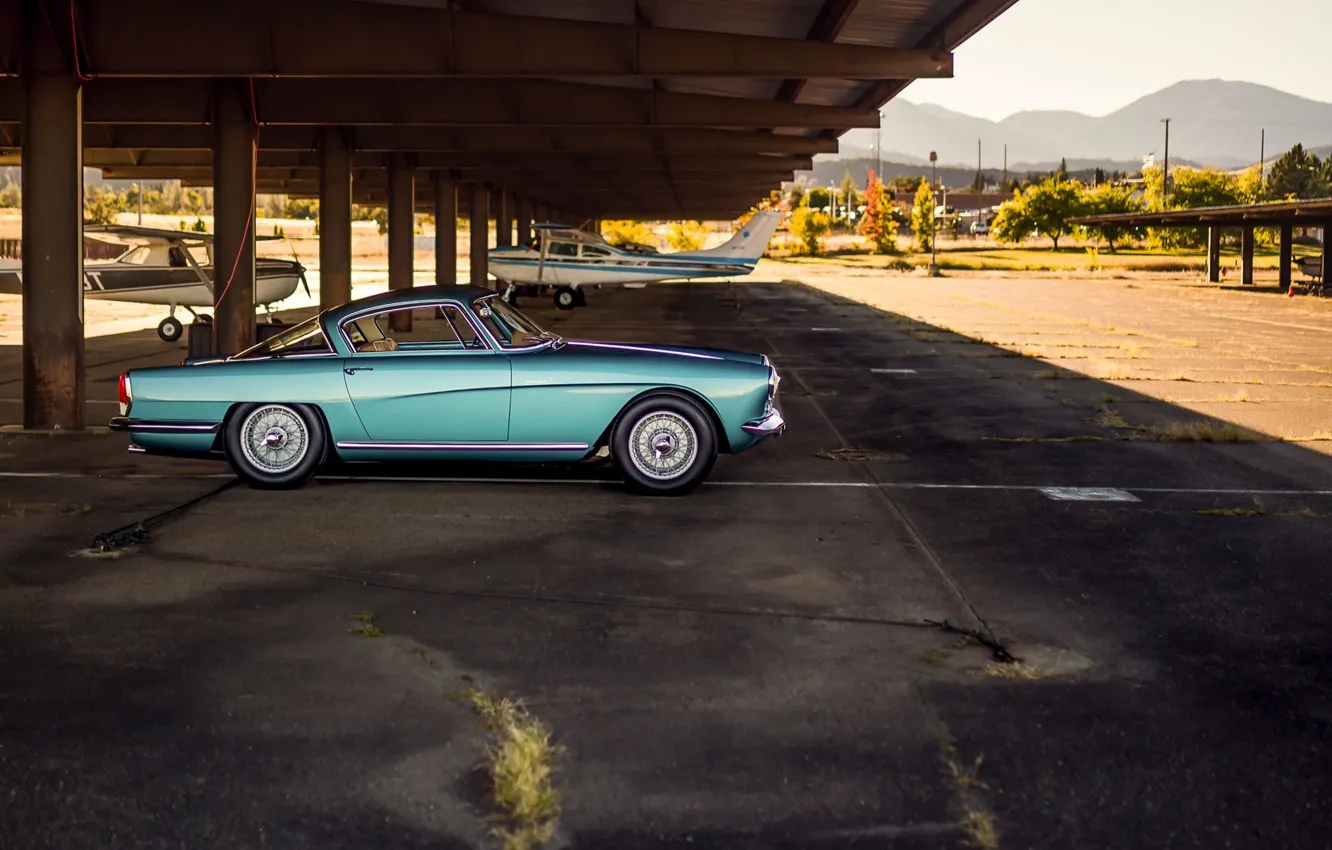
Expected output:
(1095, 56)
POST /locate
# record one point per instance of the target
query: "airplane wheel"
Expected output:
(205, 318)
(170, 329)
(565, 298)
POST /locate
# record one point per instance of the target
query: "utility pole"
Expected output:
(138, 192)
(934, 228)
(980, 180)
(1165, 179)
(1005, 183)
(1262, 155)
(878, 150)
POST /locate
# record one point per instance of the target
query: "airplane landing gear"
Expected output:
(170, 329)
(566, 298)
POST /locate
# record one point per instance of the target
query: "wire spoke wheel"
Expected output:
(274, 439)
(663, 445)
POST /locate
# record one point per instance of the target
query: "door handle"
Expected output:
(352, 370)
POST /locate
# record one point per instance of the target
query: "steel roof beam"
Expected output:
(111, 159)
(338, 38)
(441, 103)
(536, 140)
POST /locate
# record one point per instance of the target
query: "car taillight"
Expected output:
(125, 394)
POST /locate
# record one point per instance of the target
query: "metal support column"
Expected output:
(52, 288)
(524, 210)
(446, 229)
(1327, 258)
(480, 235)
(401, 231)
(1287, 255)
(503, 211)
(235, 152)
(335, 203)
(1246, 256)
(1214, 254)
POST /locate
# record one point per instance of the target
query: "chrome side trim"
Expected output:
(649, 350)
(138, 450)
(121, 423)
(468, 447)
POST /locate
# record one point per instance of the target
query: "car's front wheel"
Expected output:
(664, 445)
(275, 445)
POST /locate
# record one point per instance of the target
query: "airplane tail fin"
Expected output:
(750, 241)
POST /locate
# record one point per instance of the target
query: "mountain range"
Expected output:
(1216, 123)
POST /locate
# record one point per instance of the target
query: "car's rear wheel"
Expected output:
(664, 445)
(275, 446)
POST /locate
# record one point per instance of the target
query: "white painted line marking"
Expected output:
(893, 371)
(861, 485)
(1088, 494)
(825, 329)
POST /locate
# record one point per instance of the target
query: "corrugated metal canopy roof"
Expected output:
(611, 90)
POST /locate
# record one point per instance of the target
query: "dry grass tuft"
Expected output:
(1202, 431)
(365, 626)
(1110, 418)
(1014, 671)
(521, 766)
(858, 455)
(1258, 511)
(1046, 375)
(924, 336)
(980, 828)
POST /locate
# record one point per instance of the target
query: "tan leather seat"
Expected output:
(385, 344)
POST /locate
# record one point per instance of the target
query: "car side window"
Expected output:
(435, 328)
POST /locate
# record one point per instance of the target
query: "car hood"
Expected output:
(667, 350)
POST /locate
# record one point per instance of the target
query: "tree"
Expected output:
(809, 227)
(1012, 223)
(796, 196)
(1051, 204)
(624, 232)
(922, 217)
(687, 235)
(1110, 199)
(880, 221)
(1062, 173)
(905, 184)
(1190, 188)
(1299, 174)
(10, 196)
(849, 194)
(101, 205)
(818, 198)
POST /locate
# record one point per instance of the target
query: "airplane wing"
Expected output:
(136, 235)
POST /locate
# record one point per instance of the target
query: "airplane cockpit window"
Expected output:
(595, 253)
(563, 249)
(137, 255)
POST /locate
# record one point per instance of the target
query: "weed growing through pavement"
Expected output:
(1202, 431)
(521, 766)
(365, 626)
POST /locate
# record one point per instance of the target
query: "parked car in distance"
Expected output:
(474, 379)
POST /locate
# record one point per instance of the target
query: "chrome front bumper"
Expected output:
(771, 425)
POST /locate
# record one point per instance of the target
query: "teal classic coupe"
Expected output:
(472, 379)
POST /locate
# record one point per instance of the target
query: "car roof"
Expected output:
(408, 297)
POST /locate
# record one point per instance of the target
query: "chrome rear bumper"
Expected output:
(771, 425)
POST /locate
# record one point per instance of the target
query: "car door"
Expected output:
(454, 391)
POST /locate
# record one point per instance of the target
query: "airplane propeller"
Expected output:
(306, 284)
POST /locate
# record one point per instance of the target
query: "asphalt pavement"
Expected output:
(758, 664)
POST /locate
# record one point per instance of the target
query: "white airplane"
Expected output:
(566, 258)
(169, 267)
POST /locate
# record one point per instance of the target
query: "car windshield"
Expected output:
(510, 328)
(304, 338)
